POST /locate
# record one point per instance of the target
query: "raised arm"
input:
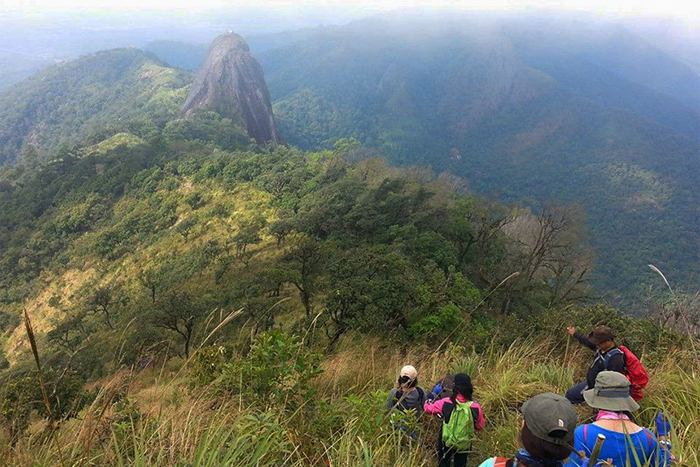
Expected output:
(583, 340)
(434, 407)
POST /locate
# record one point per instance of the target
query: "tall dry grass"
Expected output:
(172, 425)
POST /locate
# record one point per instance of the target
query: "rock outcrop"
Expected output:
(231, 83)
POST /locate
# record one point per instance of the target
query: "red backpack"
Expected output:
(634, 371)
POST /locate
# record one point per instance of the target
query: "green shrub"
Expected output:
(277, 370)
(438, 326)
(195, 200)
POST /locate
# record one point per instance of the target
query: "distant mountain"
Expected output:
(179, 54)
(67, 102)
(231, 83)
(613, 67)
(15, 66)
(539, 111)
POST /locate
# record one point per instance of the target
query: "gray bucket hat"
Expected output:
(611, 392)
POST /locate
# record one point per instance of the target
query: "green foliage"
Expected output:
(439, 325)
(207, 127)
(277, 370)
(150, 246)
(68, 102)
(19, 397)
(513, 129)
(194, 200)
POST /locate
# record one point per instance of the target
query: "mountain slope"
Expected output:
(613, 67)
(67, 102)
(464, 97)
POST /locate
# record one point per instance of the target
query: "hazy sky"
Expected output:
(675, 8)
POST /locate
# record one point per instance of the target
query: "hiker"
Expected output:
(602, 340)
(626, 444)
(547, 434)
(461, 417)
(405, 397)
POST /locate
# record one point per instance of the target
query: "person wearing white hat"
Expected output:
(406, 396)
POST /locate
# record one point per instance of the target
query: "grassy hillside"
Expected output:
(130, 229)
(66, 103)
(189, 300)
(205, 414)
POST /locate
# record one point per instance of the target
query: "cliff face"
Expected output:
(231, 83)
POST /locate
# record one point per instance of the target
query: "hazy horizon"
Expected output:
(35, 37)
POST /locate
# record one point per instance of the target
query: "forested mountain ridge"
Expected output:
(66, 103)
(469, 101)
(537, 115)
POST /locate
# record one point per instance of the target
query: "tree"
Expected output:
(249, 233)
(371, 289)
(102, 301)
(548, 253)
(185, 226)
(151, 278)
(305, 262)
(70, 333)
(257, 291)
(180, 313)
(284, 226)
(472, 227)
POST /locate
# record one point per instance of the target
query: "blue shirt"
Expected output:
(488, 462)
(625, 449)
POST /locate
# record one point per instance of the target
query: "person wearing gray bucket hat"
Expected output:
(612, 392)
(547, 434)
(626, 443)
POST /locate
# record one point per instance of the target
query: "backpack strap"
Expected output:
(500, 462)
(421, 394)
(585, 434)
(650, 438)
(398, 394)
(475, 413)
(447, 409)
(610, 354)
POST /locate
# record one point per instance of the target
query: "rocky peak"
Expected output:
(231, 83)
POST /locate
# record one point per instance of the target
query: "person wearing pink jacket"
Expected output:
(455, 441)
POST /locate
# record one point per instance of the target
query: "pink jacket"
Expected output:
(435, 408)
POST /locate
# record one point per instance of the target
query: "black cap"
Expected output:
(463, 380)
(551, 417)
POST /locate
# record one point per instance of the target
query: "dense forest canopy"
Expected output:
(67, 103)
(491, 103)
(536, 109)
